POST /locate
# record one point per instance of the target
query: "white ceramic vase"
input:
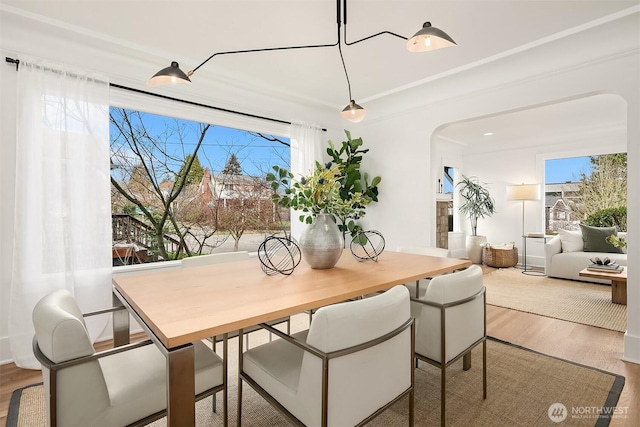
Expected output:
(321, 243)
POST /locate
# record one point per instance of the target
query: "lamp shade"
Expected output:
(523, 192)
(353, 112)
(171, 74)
(429, 38)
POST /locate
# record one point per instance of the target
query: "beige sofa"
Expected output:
(565, 257)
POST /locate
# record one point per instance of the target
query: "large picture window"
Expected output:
(587, 189)
(184, 188)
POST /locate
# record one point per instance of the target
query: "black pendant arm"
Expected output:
(370, 37)
(344, 12)
(260, 50)
(345, 71)
(269, 49)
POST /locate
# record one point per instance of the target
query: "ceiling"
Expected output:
(190, 31)
(485, 30)
(581, 116)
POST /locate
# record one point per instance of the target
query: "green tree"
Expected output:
(233, 166)
(605, 187)
(194, 174)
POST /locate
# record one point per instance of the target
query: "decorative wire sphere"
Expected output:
(367, 245)
(279, 255)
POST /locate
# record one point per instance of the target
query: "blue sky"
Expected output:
(558, 171)
(255, 154)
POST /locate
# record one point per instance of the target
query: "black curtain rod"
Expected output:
(170, 98)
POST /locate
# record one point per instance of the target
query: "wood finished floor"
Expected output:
(600, 348)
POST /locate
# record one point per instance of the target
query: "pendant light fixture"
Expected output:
(352, 112)
(171, 74)
(427, 39)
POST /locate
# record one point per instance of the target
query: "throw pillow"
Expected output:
(571, 241)
(595, 239)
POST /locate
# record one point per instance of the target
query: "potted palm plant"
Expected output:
(476, 202)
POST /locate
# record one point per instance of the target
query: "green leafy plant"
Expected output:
(313, 194)
(353, 181)
(337, 188)
(476, 201)
(609, 217)
(618, 242)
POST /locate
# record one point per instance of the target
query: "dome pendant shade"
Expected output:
(429, 38)
(171, 74)
(353, 112)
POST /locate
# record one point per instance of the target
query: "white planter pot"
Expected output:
(474, 245)
(321, 243)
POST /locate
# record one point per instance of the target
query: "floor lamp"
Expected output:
(523, 192)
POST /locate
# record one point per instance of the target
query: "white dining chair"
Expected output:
(354, 361)
(450, 321)
(124, 385)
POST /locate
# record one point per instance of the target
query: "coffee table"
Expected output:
(618, 283)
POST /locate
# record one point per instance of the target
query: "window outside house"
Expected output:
(182, 188)
(578, 187)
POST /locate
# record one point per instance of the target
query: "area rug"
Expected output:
(578, 302)
(524, 388)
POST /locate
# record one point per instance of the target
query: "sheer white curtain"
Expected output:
(306, 149)
(62, 236)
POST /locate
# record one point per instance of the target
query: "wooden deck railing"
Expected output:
(126, 228)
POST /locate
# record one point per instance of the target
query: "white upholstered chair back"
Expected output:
(62, 335)
(221, 258)
(364, 381)
(114, 387)
(464, 323)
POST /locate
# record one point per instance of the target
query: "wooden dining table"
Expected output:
(178, 307)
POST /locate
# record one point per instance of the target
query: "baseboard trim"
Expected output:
(631, 348)
(5, 351)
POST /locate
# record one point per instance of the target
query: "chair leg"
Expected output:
(225, 379)
(484, 369)
(466, 361)
(443, 392)
(240, 368)
(239, 402)
(214, 395)
(411, 406)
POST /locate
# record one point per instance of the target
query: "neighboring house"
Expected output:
(558, 201)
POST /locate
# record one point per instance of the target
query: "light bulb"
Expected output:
(427, 41)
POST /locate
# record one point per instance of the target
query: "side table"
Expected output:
(530, 272)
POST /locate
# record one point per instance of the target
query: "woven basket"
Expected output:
(495, 257)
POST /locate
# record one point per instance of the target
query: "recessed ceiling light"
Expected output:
(487, 133)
